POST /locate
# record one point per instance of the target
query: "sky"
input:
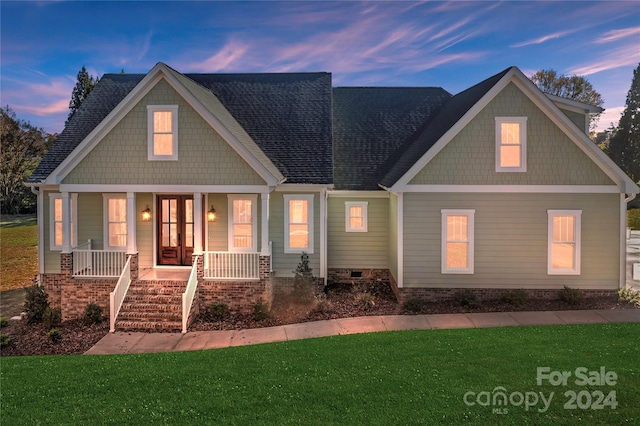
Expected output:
(450, 44)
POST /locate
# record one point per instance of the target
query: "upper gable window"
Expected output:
(162, 124)
(511, 144)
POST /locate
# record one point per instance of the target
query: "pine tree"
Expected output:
(624, 147)
(84, 85)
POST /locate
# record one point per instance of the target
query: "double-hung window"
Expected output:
(511, 144)
(243, 223)
(115, 221)
(298, 223)
(162, 132)
(457, 241)
(564, 242)
(55, 221)
(355, 216)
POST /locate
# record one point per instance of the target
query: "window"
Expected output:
(511, 144)
(457, 241)
(355, 216)
(243, 223)
(115, 221)
(564, 242)
(298, 223)
(55, 216)
(162, 132)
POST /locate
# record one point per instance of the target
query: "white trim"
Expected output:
(309, 198)
(532, 189)
(132, 247)
(52, 227)
(254, 223)
(522, 122)
(573, 105)
(347, 216)
(105, 220)
(168, 189)
(470, 214)
(400, 231)
(323, 235)
(151, 109)
(358, 194)
(264, 225)
(197, 223)
(40, 221)
(577, 231)
(623, 241)
(300, 187)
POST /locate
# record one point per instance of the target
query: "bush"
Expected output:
(322, 305)
(465, 299)
(413, 305)
(260, 312)
(303, 283)
(218, 312)
(4, 321)
(629, 295)
(52, 318)
(92, 314)
(365, 301)
(570, 296)
(514, 297)
(4, 340)
(35, 304)
(633, 219)
(55, 335)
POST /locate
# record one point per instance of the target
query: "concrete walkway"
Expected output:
(130, 342)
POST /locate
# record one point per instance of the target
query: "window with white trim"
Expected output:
(298, 223)
(457, 241)
(162, 129)
(243, 224)
(55, 220)
(511, 144)
(115, 221)
(564, 242)
(356, 216)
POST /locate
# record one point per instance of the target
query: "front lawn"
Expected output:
(408, 377)
(18, 251)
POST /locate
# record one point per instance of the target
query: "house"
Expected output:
(229, 178)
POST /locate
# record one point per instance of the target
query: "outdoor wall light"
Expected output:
(146, 214)
(211, 215)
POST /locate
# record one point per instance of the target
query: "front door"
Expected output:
(175, 229)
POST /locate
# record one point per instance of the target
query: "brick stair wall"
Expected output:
(152, 306)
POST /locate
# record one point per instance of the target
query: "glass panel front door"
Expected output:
(175, 229)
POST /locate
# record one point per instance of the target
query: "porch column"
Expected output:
(131, 223)
(197, 223)
(66, 223)
(265, 224)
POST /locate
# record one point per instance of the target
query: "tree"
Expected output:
(624, 146)
(571, 87)
(84, 85)
(22, 149)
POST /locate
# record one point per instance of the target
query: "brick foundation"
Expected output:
(357, 275)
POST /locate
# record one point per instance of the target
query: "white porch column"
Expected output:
(66, 223)
(264, 197)
(131, 223)
(197, 223)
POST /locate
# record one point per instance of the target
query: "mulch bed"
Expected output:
(339, 301)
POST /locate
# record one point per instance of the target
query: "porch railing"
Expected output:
(235, 266)
(98, 263)
(116, 297)
(188, 295)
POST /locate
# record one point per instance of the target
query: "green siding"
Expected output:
(285, 263)
(204, 158)
(144, 232)
(358, 249)
(51, 258)
(393, 235)
(552, 158)
(577, 118)
(511, 240)
(91, 220)
(218, 231)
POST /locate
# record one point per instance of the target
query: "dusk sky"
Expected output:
(450, 44)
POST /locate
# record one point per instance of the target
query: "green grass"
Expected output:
(409, 377)
(18, 251)
(633, 219)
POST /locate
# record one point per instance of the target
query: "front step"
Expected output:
(152, 306)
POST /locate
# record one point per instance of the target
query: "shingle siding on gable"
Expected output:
(204, 158)
(577, 118)
(552, 158)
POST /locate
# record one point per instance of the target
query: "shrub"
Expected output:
(570, 296)
(629, 295)
(218, 312)
(4, 321)
(4, 340)
(92, 314)
(322, 305)
(466, 299)
(365, 301)
(514, 297)
(303, 279)
(260, 312)
(55, 335)
(633, 219)
(413, 305)
(52, 318)
(35, 304)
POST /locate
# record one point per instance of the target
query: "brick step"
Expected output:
(147, 326)
(150, 316)
(151, 307)
(153, 298)
(159, 283)
(135, 290)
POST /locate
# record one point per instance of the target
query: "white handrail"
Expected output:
(98, 263)
(231, 265)
(83, 246)
(116, 297)
(189, 294)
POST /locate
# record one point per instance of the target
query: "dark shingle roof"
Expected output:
(447, 116)
(370, 124)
